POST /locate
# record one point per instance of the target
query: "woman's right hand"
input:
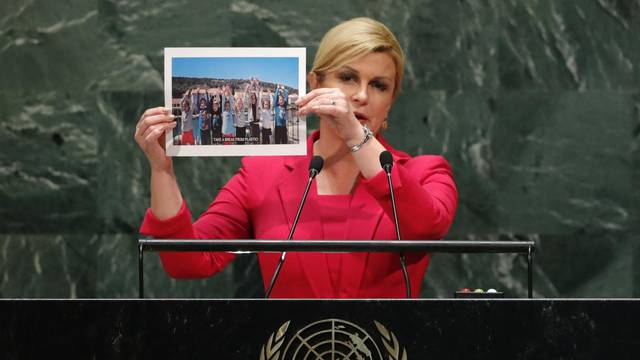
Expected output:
(149, 135)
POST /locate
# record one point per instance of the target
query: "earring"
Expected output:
(385, 125)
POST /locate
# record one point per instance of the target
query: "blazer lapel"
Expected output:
(309, 226)
(364, 217)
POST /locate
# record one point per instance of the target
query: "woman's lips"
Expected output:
(360, 116)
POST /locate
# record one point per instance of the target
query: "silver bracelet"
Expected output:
(368, 134)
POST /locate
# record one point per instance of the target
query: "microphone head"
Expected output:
(386, 160)
(316, 164)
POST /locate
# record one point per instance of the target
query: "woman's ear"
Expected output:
(312, 78)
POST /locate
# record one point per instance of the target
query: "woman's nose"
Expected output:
(361, 96)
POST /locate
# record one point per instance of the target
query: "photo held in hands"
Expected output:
(235, 101)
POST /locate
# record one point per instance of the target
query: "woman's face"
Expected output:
(240, 103)
(203, 104)
(227, 106)
(280, 100)
(254, 99)
(185, 106)
(368, 84)
(216, 106)
(265, 104)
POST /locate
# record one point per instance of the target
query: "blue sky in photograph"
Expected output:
(282, 70)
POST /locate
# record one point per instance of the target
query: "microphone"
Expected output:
(386, 161)
(314, 169)
(315, 166)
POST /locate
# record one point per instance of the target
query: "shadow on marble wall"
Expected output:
(536, 104)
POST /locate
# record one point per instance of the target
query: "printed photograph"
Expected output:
(235, 101)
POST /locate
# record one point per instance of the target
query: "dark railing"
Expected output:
(439, 246)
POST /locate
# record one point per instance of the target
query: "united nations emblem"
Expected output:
(332, 339)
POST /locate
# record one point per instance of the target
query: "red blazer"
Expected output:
(261, 199)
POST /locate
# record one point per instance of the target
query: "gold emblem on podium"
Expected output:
(332, 339)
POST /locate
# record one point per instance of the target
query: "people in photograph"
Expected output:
(228, 115)
(195, 119)
(354, 80)
(253, 116)
(240, 120)
(177, 131)
(280, 112)
(187, 120)
(266, 117)
(216, 118)
(204, 120)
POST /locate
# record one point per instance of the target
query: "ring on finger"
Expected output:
(333, 102)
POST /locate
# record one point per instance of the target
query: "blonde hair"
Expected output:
(353, 39)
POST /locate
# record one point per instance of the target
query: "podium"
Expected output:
(279, 329)
(320, 329)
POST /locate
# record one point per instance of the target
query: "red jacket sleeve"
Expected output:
(426, 196)
(226, 218)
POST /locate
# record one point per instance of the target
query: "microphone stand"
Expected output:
(313, 172)
(387, 162)
(403, 262)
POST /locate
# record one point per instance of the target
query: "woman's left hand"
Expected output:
(332, 104)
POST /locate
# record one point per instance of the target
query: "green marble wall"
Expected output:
(535, 103)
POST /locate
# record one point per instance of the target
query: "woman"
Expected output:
(356, 75)
(216, 119)
(196, 122)
(187, 122)
(228, 117)
(204, 119)
(240, 120)
(280, 111)
(253, 118)
(266, 117)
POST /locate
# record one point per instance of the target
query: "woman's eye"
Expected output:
(380, 86)
(346, 77)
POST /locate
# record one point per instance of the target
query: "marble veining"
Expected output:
(535, 104)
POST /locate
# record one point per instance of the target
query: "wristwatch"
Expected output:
(368, 134)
